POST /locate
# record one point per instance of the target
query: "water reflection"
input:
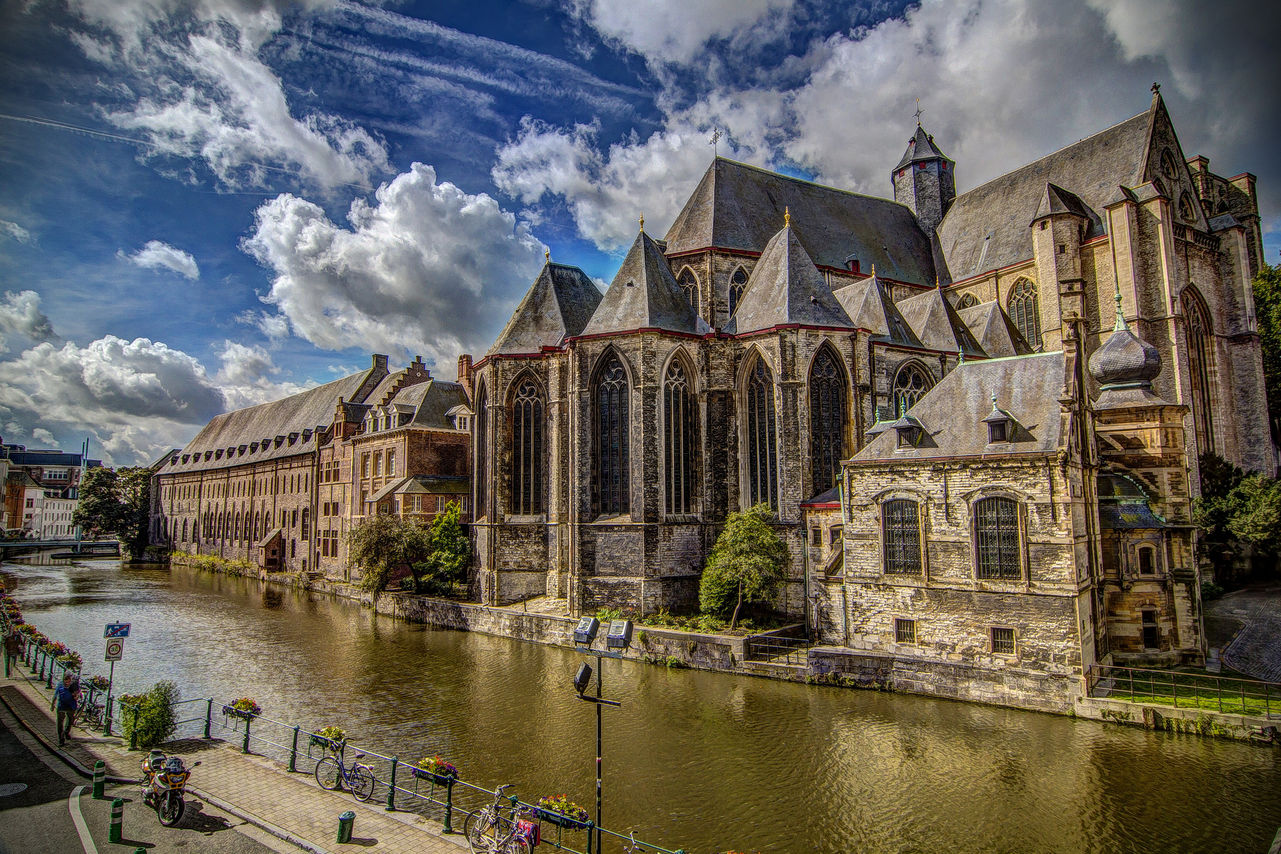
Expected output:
(700, 760)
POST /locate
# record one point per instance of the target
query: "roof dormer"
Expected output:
(1000, 425)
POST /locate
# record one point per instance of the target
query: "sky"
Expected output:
(211, 204)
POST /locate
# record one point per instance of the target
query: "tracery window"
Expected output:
(996, 538)
(689, 284)
(1025, 311)
(482, 456)
(737, 283)
(1196, 321)
(910, 383)
(678, 440)
(827, 419)
(611, 487)
(967, 301)
(762, 448)
(901, 532)
(1169, 166)
(1187, 209)
(527, 449)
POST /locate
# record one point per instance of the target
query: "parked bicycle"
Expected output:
(501, 828)
(333, 773)
(90, 715)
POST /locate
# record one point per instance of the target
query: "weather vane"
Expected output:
(918, 112)
(716, 137)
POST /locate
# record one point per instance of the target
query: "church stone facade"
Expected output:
(976, 417)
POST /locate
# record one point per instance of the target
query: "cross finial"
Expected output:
(716, 137)
(918, 112)
(787, 217)
(547, 255)
(873, 269)
(1156, 88)
(994, 401)
(642, 221)
(1120, 315)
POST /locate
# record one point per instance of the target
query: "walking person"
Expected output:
(64, 696)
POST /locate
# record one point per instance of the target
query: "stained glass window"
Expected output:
(678, 440)
(1025, 311)
(482, 456)
(610, 482)
(1196, 321)
(762, 449)
(527, 449)
(827, 419)
(910, 384)
(737, 283)
(689, 284)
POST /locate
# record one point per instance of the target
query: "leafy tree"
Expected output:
(1267, 307)
(1237, 514)
(746, 565)
(380, 545)
(116, 503)
(450, 551)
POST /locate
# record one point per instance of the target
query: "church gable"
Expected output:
(994, 331)
(937, 325)
(1165, 164)
(645, 295)
(557, 305)
(870, 307)
(785, 288)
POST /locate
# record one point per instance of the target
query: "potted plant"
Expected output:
(244, 708)
(55, 648)
(70, 660)
(435, 769)
(328, 738)
(562, 812)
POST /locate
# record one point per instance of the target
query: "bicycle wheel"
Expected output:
(481, 830)
(328, 774)
(517, 845)
(361, 780)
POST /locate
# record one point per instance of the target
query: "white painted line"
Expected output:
(73, 804)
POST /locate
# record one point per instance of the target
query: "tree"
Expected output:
(1238, 514)
(1267, 308)
(380, 545)
(450, 551)
(116, 503)
(746, 565)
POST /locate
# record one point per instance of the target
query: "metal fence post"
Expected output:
(244, 748)
(208, 716)
(591, 834)
(106, 715)
(391, 787)
(44, 656)
(133, 730)
(293, 752)
(449, 806)
(1174, 688)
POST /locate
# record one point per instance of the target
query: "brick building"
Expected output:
(41, 491)
(281, 483)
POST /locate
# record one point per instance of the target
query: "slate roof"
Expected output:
(937, 325)
(644, 295)
(557, 306)
(49, 458)
(987, 227)
(869, 307)
(993, 329)
(737, 206)
(431, 402)
(786, 288)
(425, 484)
(1124, 506)
(921, 148)
(952, 413)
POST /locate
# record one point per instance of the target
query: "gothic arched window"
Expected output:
(996, 539)
(527, 449)
(1026, 312)
(1196, 320)
(967, 301)
(689, 284)
(762, 448)
(611, 488)
(678, 440)
(827, 419)
(482, 456)
(1187, 209)
(901, 532)
(910, 384)
(737, 283)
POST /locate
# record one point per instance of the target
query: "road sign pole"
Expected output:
(106, 709)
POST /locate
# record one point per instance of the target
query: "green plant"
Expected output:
(70, 660)
(1210, 591)
(434, 766)
(330, 738)
(746, 564)
(151, 715)
(245, 708)
(563, 806)
(99, 683)
(607, 614)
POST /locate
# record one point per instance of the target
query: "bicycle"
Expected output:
(90, 715)
(490, 832)
(332, 772)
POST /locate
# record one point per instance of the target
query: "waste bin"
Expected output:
(345, 821)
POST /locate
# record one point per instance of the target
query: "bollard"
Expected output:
(449, 806)
(117, 820)
(99, 779)
(244, 748)
(293, 753)
(345, 823)
(208, 715)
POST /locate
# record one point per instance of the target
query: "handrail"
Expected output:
(1227, 694)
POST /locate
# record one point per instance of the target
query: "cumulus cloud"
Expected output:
(20, 315)
(247, 376)
(155, 255)
(426, 269)
(14, 231)
(674, 31)
(42, 435)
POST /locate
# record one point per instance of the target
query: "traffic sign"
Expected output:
(116, 630)
(115, 649)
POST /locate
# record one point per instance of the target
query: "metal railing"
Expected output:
(777, 649)
(1185, 690)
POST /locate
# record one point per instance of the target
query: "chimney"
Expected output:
(379, 362)
(464, 372)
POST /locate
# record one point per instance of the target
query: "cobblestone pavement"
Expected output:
(1256, 649)
(289, 806)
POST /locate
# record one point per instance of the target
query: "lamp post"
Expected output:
(617, 639)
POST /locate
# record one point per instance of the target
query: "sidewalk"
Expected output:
(1256, 648)
(289, 806)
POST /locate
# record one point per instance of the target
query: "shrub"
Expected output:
(746, 565)
(155, 719)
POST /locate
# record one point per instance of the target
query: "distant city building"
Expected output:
(281, 484)
(977, 417)
(41, 491)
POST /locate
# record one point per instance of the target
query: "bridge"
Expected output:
(77, 546)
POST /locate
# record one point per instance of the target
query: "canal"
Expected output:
(703, 761)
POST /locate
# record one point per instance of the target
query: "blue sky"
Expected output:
(206, 205)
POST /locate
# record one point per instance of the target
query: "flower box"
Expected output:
(438, 779)
(244, 708)
(561, 820)
(435, 769)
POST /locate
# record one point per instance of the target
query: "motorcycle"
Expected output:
(164, 781)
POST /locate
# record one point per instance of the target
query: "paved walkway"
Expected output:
(289, 806)
(1256, 649)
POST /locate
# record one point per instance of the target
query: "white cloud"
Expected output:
(674, 31)
(15, 231)
(42, 435)
(155, 255)
(427, 269)
(20, 315)
(246, 376)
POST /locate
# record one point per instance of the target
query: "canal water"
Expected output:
(701, 761)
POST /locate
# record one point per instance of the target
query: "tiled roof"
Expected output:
(644, 295)
(786, 288)
(993, 329)
(937, 325)
(921, 148)
(869, 307)
(557, 306)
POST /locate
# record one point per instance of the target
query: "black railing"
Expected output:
(777, 649)
(1183, 690)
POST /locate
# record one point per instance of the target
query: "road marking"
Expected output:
(73, 804)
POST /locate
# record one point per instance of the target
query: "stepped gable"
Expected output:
(952, 413)
(785, 288)
(987, 227)
(995, 332)
(557, 306)
(644, 295)
(937, 325)
(869, 307)
(308, 412)
(738, 207)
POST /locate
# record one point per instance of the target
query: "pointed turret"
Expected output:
(644, 295)
(937, 325)
(869, 307)
(993, 329)
(925, 180)
(557, 305)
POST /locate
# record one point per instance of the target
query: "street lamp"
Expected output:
(617, 638)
